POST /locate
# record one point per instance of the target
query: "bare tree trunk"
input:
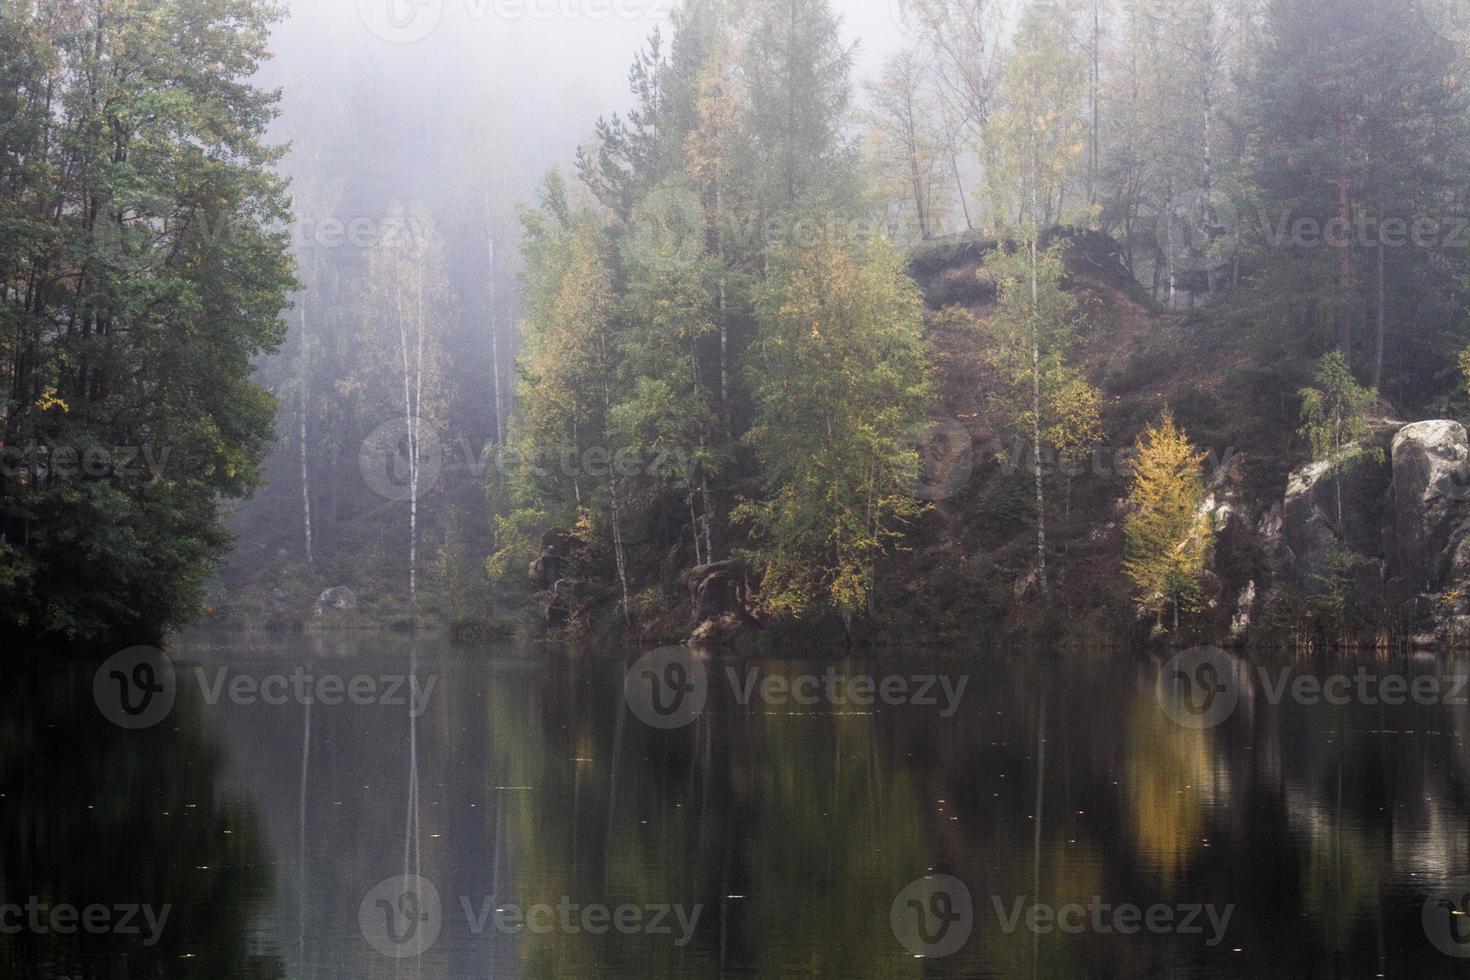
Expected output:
(1171, 245)
(1378, 344)
(418, 402)
(709, 540)
(1036, 421)
(1344, 258)
(1095, 160)
(411, 433)
(304, 383)
(959, 184)
(694, 530)
(494, 329)
(620, 560)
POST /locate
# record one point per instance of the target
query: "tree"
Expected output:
(1036, 132)
(839, 372)
(908, 145)
(1034, 385)
(405, 310)
(142, 268)
(1358, 122)
(569, 361)
(1168, 531)
(796, 70)
(1335, 421)
(669, 408)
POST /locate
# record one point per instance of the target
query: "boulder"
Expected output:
(338, 597)
(1323, 511)
(1428, 503)
(723, 602)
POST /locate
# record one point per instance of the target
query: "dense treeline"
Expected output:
(143, 265)
(722, 358)
(720, 283)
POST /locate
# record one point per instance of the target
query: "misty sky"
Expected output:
(545, 69)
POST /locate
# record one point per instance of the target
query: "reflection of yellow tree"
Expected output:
(1169, 773)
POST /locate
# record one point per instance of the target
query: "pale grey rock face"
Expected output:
(339, 597)
(1428, 503)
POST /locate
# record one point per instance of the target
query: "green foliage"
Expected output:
(839, 374)
(1036, 133)
(144, 264)
(1357, 131)
(1335, 416)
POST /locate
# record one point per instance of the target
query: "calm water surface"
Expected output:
(771, 838)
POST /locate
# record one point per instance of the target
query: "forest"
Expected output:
(1075, 318)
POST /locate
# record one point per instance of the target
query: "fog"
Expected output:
(446, 95)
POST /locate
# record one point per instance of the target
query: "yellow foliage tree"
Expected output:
(1168, 531)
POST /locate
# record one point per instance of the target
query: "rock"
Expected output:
(723, 601)
(1247, 551)
(1245, 605)
(550, 573)
(1428, 504)
(1324, 511)
(338, 597)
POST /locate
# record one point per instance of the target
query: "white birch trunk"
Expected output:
(409, 429)
(304, 384)
(494, 331)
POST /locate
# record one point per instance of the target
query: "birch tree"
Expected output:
(406, 309)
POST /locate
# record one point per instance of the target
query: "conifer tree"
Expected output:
(1168, 532)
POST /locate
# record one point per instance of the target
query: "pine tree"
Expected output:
(1358, 114)
(143, 268)
(569, 362)
(796, 70)
(1169, 534)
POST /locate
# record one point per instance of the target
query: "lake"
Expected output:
(385, 806)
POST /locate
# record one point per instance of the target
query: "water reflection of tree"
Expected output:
(789, 828)
(93, 814)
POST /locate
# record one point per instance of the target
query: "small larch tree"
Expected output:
(1169, 533)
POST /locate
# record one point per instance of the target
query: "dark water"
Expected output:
(772, 838)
